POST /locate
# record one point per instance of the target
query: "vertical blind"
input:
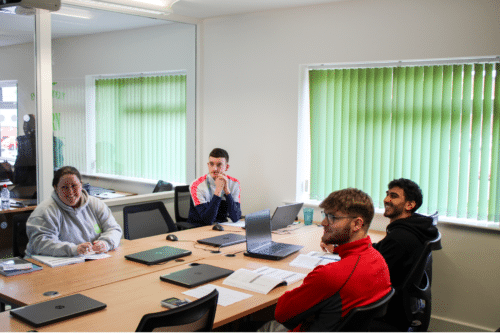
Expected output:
(141, 127)
(437, 125)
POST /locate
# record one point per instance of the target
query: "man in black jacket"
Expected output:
(406, 234)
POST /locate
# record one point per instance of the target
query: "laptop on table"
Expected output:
(158, 255)
(196, 275)
(285, 215)
(56, 310)
(223, 240)
(259, 239)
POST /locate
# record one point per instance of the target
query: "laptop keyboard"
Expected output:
(275, 247)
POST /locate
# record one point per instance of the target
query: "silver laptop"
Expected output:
(195, 275)
(158, 255)
(285, 215)
(259, 240)
(57, 310)
(223, 240)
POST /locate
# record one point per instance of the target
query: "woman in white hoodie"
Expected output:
(71, 222)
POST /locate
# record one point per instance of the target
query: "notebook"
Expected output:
(259, 240)
(285, 215)
(57, 310)
(195, 275)
(223, 240)
(158, 255)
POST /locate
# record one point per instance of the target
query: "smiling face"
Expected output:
(216, 166)
(396, 206)
(69, 190)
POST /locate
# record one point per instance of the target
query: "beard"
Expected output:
(338, 237)
(392, 211)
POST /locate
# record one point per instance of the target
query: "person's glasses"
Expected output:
(332, 218)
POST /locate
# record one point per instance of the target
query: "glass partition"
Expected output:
(123, 95)
(17, 100)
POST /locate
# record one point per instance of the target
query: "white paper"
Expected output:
(313, 259)
(95, 256)
(288, 276)
(253, 281)
(109, 195)
(226, 296)
(58, 261)
(240, 224)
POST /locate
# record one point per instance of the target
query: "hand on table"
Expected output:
(84, 248)
(99, 247)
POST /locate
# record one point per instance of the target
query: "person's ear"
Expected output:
(227, 167)
(409, 205)
(358, 223)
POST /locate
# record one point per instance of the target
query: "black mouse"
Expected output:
(172, 237)
(218, 227)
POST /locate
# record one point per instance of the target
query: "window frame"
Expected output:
(303, 141)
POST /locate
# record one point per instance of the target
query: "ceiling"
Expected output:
(68, 21)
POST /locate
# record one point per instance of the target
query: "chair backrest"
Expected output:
(182, 203)
(197, 316)
(417, 286)
(163, 186)
(147, 219)
(19, 236)
(360, 318)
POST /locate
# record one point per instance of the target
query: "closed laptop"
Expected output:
(196, 275)
(223, 240)
(56, 310)
(158, 255)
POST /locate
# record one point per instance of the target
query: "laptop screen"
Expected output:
(285, 215)
(258, 229)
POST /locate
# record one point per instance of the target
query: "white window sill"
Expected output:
(461, 222)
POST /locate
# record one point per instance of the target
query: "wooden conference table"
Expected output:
(131, 290)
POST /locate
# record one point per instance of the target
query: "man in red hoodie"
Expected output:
(330, 291)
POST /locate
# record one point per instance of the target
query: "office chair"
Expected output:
(182, 207)
(162, 186)
(197, 316)
(416, 289)
(19, 236)
(147, 219)
(360, 318)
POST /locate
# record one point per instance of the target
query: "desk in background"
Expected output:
(129, 298)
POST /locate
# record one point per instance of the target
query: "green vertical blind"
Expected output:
(141, 127)
(437, 125)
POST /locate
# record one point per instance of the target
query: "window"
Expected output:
(140, 127)
(435, 123)
(8, 120)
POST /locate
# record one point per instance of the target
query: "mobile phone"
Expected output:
(174, 302)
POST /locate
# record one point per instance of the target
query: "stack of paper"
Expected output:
(63, 261)
(262, 280)
(313, 259)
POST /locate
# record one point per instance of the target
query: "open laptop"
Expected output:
(259, 241)
(57, 310)
(285, 215)
(196, 275)
(158, 255)
(223, 240)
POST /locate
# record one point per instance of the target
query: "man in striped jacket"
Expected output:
(215, 195)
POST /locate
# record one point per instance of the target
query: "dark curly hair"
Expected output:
(411, 190)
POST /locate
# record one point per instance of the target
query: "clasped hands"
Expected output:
(97, 247)
(221, 184)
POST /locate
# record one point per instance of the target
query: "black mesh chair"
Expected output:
(360, 318)
(197, 316)
(147, 219)
(19, 236)
(416, 289)
(182, 206)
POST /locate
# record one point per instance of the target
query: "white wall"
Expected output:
(250, 84)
